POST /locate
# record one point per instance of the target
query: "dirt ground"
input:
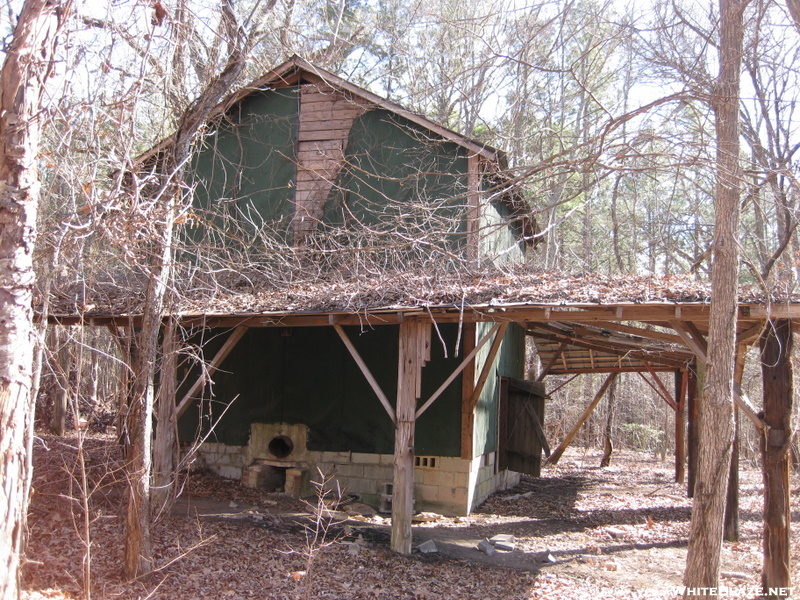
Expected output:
(579, 532)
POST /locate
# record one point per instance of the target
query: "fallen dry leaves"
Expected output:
(581, 532)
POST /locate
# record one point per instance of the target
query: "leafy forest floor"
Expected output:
(581, 532)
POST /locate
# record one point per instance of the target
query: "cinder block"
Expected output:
(418, 475)
(365, 458)
(425, 492)
(350, 470)
(377, 472)
(461, 479)
(452, 496)
(387, 459)
(356, 485)
(439, 478)
(449, 463)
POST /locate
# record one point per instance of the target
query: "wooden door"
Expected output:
(521, 439)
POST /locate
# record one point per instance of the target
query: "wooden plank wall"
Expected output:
(326, 117)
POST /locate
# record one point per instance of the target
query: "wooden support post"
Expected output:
(497, 330)
(413, 335)
(776, 369)
(681, 385)
(693, 412)
(215, 363)
(731, 529)
(488, 364)
(467, 387)
(556, 455)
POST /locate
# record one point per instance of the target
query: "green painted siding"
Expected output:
(399, 182)
(246, 168)
(501, 238)
(309, 377)
(510, 362)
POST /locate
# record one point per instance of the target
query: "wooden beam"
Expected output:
(460, 368)
(552, 360)
(749, 335)
(558, 387)
(497, 342)
(661, 389)
(640, 331)
(467, 385)
(744, 404)
(671, 363)
(212, 367)
(731, 527)
(699, 347)
(697, 343)
(537, 428)
(409, 371)
(696, 375)
(556, 455)
(654, 388)
(365, 371)
(681, 386)
(776, 368)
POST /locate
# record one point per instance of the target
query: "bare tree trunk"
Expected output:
(27, 65)
(164, 449)
(608, 446)
(138, 552)
(716, 408)
(63, 369)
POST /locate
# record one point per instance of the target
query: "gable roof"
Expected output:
(296, 71)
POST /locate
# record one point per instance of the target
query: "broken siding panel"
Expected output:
(326, 118)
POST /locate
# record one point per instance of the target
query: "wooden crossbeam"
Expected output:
(537, 428)
(212, 367)
(552, 361)
(555, 389)
(556, 455)
(694, 340)
(487, 366)
(698, 346)
(460, 368)
(373, 383)
(662, 389)
(655, 389)
(612, 349)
